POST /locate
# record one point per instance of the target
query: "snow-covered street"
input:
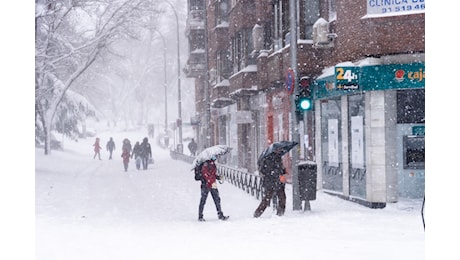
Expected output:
(91, 209)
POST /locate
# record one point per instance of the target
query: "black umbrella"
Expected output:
(210, 152)
(282, 146)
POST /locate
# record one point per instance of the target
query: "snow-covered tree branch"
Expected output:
(69, 37)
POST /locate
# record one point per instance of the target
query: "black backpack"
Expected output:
(198, 175)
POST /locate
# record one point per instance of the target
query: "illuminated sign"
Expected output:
(347, 77)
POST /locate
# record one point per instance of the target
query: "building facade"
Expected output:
(364, 61)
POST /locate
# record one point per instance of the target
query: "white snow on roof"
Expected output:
(223, 83)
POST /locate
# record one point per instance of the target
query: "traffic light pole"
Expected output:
(297, 203)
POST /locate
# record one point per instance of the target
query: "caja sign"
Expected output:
(401, 74)
(393, 76)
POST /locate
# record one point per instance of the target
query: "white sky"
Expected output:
(91, 209)
(18, 182)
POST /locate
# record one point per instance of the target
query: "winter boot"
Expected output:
(222, 217)
(258, 213)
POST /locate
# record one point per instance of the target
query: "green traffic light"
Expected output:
(305, 104)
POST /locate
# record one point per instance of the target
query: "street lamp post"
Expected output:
(165, 81)
(207, 120)
(297, 203)
(165, 77)
(179, 101)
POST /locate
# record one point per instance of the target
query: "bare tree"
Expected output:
(69, 36)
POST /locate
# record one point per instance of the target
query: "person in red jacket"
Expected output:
(208, 184)
(125, 155)
(97, 148)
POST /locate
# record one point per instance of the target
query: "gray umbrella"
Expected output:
(282, 146)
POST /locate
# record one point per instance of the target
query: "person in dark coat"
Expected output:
(273, 181)
(145, 152)
(110, 147)
(137, 155)
(192, 146)
(208, 184)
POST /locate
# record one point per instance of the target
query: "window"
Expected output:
(223, 65)
(233, 2)
(309, 14)
(411, 106)
(221, 8)
(196, 5)
(332, 10)
(280, 23)
(241, 50)
(196, 41)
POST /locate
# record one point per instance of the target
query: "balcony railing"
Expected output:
(195, 21)
(195, 66)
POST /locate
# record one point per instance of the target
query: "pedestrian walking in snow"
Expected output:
(145, 152)
(125, 155)
(209, 179)
(273, 181)
(192, 146)
(126, 145)
(97, 148)
(137, 155)
(110, 147)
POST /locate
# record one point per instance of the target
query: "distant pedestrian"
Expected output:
(151, 130)
(145, 152)
(208, 184)
(192, 146)
(126, 145)
(97, 148)
(110, 147)
(125, 155)
(273, 182)
(166, 141)
(137, 155)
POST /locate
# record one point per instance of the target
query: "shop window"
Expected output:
(411, 106)
(414, 152)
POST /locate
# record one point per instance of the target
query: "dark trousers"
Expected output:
(138, 162)
(266, 201)
(215, 196)
(145, 162)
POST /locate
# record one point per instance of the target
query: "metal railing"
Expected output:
(242, 179)
(180, 156)
(249, 182)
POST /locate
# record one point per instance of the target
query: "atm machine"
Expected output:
(411, 161)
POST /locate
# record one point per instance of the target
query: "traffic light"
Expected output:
(303, 99)
(305, 103)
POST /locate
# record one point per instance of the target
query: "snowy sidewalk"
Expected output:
(91, 209)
